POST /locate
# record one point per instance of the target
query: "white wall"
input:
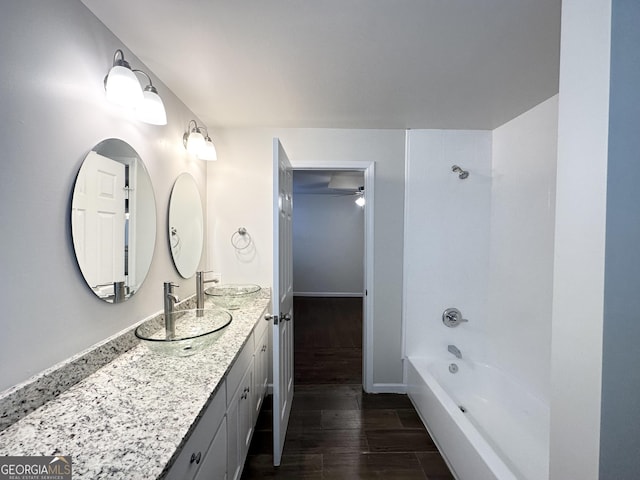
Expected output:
(446, 253)
(521, 246)
(55, 56)
(578, 290)
(328, 245)
(240, 194)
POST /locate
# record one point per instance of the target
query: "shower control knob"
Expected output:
(452, 317)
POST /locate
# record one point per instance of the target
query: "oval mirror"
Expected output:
(186, 225)
(113, 220)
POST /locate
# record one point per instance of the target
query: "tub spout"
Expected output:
(455, 350)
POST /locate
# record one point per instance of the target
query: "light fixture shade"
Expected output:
(151, 109)
(208, 152)
(122, 86)
(195, 143)
(360, 201)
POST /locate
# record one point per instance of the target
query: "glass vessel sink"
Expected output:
(233, 296)
(195, 330)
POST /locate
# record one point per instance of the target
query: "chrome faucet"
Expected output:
(452, 317)
(454, 350)
(200, 281)
(170, 300)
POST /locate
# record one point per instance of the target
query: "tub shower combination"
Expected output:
(486, 425)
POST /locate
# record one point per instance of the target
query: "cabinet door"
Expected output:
(239, 425)
(193, 452)
(214, 465)
(233, 445)
(261, 373)
(245, 416)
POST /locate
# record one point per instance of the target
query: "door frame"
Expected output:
(368, 168)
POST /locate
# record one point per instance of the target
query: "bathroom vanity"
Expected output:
(144, 415)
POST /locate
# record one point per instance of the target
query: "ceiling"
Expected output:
(346, 63)
(327, 182)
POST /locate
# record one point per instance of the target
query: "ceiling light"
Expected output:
(360, 199)
(121, 84)
(198, 144)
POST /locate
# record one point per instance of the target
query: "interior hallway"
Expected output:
(336, 431)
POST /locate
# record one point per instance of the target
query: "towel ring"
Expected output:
(175, 238)
(240, 239)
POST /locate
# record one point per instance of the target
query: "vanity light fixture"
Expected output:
(121, 84)
(123, 88)
(198, 142)
(151, 109)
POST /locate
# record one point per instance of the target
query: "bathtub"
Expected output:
(485, 425)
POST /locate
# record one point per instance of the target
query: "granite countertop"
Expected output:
(129, 418)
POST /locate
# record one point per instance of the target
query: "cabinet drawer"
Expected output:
(189, 461)
(239, 368)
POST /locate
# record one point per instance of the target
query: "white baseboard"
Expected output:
(389, 388)
(328, 294)
(377, 388)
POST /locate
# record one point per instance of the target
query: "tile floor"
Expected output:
(336, 431)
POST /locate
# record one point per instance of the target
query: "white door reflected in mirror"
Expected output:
(113, 220)
(186, 225)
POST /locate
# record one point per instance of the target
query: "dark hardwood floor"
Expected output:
(328, 340)
(336, 431)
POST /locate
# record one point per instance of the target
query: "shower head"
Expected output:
(462, 173)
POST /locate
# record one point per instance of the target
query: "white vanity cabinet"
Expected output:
(220, 442)
(246, 388)
(240, 419)
(241, 424)
(205, 453)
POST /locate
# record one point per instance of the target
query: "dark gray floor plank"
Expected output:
(336, 431)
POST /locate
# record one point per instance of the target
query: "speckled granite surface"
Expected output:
(128, 419)
(22, 399)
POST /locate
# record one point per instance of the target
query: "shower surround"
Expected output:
(484, 245)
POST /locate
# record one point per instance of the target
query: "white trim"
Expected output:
(368, 312)
(328, 294)
(389, 388)
(403, 319)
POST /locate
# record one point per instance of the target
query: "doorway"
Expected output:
(333, 331)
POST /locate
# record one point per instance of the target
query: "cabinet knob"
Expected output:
(196, 457)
